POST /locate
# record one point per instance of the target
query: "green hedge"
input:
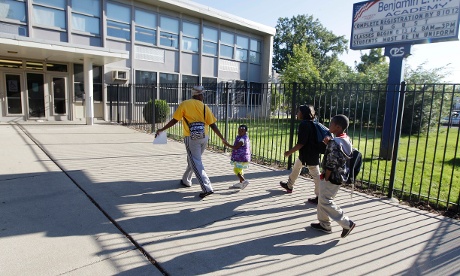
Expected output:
(161, 111)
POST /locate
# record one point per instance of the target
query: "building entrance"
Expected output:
(36, 96)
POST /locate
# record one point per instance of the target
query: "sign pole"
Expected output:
(397, 55)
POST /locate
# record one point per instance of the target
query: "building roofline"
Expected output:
(211, 14)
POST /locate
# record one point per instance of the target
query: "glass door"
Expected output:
(13, 94)
(59, 100)
(36, 95)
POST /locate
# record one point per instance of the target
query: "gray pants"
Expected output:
(314, 172)
(327, 209)
(195, 149)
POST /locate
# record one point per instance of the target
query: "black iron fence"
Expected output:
(423, 166)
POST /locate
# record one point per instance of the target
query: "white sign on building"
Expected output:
(379, 23)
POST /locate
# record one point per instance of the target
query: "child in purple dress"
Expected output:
(241, 156)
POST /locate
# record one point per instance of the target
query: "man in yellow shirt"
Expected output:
(194, 112)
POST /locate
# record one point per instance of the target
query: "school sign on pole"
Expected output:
(396, 25)
(380, 23)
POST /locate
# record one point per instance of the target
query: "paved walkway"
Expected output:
(103, 200)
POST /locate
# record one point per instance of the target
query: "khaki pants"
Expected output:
(327, 209)
(314, 172)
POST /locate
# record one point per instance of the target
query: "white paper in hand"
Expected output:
(161, 138)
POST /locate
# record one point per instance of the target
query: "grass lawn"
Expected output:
(428, 166)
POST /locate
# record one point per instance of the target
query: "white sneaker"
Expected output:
(237, 186)
(244, 184)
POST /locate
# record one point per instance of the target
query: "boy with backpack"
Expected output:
(308, 151)
(335, 171)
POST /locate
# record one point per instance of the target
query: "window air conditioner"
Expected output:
(120, 75)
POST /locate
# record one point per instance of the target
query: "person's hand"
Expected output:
(158, 132)
(226, 143)
(327, 139)
(287, 153)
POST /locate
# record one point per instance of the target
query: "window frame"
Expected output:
(244, 49)
(169, 91)
(15, 20)
(84, 14)
(226, 45)
(257, 52)
(152, 29)
(190, 37)
(119, 22)
(98, 83)
(44, 6)
(165, 32)
(209, 41)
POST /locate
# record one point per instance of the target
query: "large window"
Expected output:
(190, 35)
(146, 86)
(169, 87)
(210, 85)
(187, 84)
(240, 89)
(86, 16)
(226, 45)
(50, 13)
(146, 77)
(255, 93)
(13, 10)
(146, 24)
(169, 35)
(189, 81)
(118, 21)
(79, 85)
(14, 13)
(254, 53)
(242, 45)
(210, 38)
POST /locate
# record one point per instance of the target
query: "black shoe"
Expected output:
(345, 232)
(205, 194)
(318, 226)
(184, 184)
(285, 186)
(313, 200)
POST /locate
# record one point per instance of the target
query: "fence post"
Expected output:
(153, 109)
(118, 103)
(402, 95)
(111, 101)
(293, 115)
(227, 106)
(130, 103)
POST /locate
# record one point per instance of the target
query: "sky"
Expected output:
(336, 16)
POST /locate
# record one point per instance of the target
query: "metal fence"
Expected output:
(423, 167)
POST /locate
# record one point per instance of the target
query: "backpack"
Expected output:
(354, 165)
(321, 132)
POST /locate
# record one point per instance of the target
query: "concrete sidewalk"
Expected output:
(103, 200)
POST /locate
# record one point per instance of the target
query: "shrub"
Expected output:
(161, 111)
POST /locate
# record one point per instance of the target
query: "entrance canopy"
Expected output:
(58, 52)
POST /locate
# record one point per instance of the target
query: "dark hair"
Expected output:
(341, 120)
(308, 112)
(244, 126)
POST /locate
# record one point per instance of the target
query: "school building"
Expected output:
(57, 57)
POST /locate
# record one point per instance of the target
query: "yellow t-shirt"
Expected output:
(193, 111)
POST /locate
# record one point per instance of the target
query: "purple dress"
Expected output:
(241, 156)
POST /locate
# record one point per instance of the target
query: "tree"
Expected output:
(300, 67)
(323, 45)
(374, 57)
(338, 72)
(424, 100)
